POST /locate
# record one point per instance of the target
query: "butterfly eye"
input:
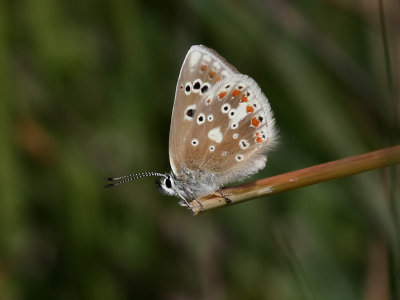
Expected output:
(168, 183)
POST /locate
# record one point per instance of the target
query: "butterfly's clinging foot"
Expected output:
(227, 199)
(201, 205)
(184, 203)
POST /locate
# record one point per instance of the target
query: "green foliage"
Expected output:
(87, 91)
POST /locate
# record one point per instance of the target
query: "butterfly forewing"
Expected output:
(202, 69)
(223, 129)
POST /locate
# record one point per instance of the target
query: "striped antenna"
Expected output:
(130, 177)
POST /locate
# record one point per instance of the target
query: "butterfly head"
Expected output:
(166, 185)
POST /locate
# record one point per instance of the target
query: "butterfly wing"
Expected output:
(201, 70)
(224, 130)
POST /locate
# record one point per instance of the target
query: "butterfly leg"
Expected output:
(201, 205)
(227, 199)
(183, 202)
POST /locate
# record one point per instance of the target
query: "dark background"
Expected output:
(87, 89)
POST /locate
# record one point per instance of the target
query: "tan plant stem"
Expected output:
(300, 178)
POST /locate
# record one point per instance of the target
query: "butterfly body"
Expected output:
(190, 185)
(221, 127)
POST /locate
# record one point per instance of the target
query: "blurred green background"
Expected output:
(87, 89)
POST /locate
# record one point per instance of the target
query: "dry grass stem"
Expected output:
(300, 178)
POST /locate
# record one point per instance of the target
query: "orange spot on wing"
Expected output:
(236, 93)
(259, 140)
(208, 100)
(244, 98)
(255, 122)
(203, 67)
(218, 79)
(249, 108)
(212, 74)
(222, 95)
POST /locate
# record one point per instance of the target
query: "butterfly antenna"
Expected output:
(130, 177)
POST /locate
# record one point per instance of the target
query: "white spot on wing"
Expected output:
(225, 108)
(186, 111)
(188, 88)
(216, 65)
(215, 134)
(194, 58)
(240, 113)
(195, 142)
(205, 87)
(201, 119)
(207, 58)
(244, 144)
(232, 113)
(197, 85)
(239, 157)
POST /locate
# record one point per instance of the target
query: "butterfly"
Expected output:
(222, 126)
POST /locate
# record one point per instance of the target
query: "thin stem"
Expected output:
(388, 64)
(300, 178)
(394, 173)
